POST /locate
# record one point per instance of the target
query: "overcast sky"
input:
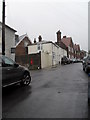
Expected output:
(46, 17)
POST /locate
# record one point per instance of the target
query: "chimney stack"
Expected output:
(34, 40)
(40, 38)
(58, 36)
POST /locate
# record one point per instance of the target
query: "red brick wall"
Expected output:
(20, 49)
(70, 53)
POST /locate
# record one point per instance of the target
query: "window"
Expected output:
(72, 50)
(53, 55)
(25, 44)
(7, 62)
(88, 57)
(68, 48)
(26, 48)
(39, 46)
(12, 50)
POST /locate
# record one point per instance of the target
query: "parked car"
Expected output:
(74, 60)
(78, 60)
(65, 60)
(13, 73)
(71, 60)
(86, 64)
(84, 59)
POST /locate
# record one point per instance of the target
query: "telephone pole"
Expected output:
(3, 28)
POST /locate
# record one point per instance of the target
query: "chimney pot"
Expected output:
(34, 40)
(64, 36)
(40, 38)
(59, 32)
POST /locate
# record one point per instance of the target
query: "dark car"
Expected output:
(13, 73)
(65, 60)
(86, 64)
(71, 60)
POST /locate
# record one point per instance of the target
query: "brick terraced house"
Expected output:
(66, 43)
(21, 48)
(77, 51)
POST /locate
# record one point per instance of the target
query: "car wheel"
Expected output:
(26, 79)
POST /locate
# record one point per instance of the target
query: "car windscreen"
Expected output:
(7, 61)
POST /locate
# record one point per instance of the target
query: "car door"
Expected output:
(12, 73)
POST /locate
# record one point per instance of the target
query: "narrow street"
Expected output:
(58, 92)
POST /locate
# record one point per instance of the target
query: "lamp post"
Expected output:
(3, 28)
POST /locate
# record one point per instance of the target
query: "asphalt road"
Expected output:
(59, 92)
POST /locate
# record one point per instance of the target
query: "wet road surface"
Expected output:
(60, 92)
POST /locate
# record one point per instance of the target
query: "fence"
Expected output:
(32, 61)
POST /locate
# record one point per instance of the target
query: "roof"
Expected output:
(66, 41)
(21, 39)
(45, 42)
(22, 36)
(77, 47)
(62, 45)
(9, 27)
(83, 51)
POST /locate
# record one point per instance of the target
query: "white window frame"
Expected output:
(40, 46)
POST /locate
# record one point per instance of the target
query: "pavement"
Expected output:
(60, 92)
